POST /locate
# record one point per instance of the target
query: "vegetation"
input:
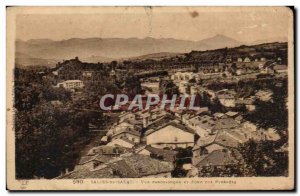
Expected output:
(264, 158)
(273, 113)
(48, 138)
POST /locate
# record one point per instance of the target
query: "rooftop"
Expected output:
(166, 155)
(204, 141)
(132, 166)
(225, 139)
(127, 130)
(206, 122)
(221, 157)
(172, 123)
(225, 123)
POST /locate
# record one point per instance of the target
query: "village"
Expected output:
(182, 143)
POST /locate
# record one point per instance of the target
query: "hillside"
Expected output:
(27, 60)
(268, 51)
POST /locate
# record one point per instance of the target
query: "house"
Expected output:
(186, 117)
(157, 153)
(171, 135)
(272, 134)
(239, 119)
(128, 134)
(239, 60)
(123, 142)
(232, 114)
(161, 121)
(224, 138)
(148, 167)
(268, 70)
(104, 139)
(264, 95)
(87, 74)
(240, 71)
(262, 59)
(91, 161)
(112, 151)
(146, 117)
(71, 84)
(247, 60)
(219, 115)
(203, 147)
(177, 112)
(199, 150)
(225, 123)
(206, 150)
(267, 67)
(244, 133)
(202, 110)
(228, 72)
(202, 125)
(119, 127)
(127, 116)
(219, 161)
(183, 87)
(183, 76)
(250, 125)
(131, 166)
(227, 97)
(213, 147)
(187, 166)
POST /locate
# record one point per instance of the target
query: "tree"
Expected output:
(261, 158)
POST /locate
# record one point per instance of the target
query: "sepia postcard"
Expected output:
(150, 98)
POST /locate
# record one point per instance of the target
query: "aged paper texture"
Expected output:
(150, 98)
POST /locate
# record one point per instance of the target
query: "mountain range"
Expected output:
(49, 52)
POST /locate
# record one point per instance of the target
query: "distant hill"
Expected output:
(96, 59)
(270, 51)
(27, 60)
(218, 41)
(155, 56)
(93, 50)
(270, 40)
(102, 50)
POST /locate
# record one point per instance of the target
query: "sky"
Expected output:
(246, 24)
